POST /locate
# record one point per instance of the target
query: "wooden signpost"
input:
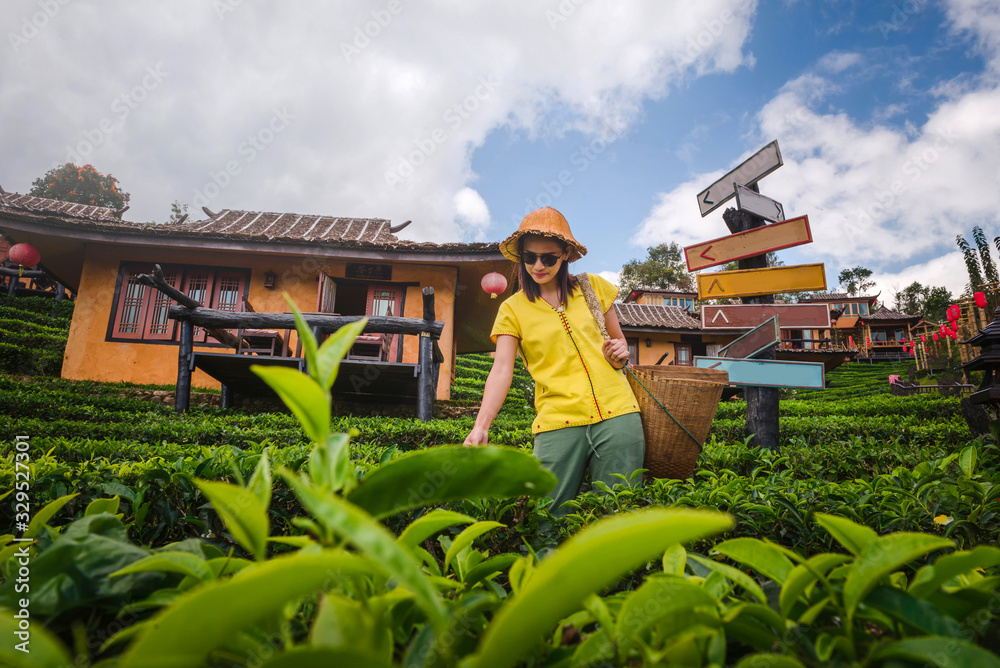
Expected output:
(755, 282)
(753, 343)
(758, 205)
(758, 241)
(745, 316)
(754, 168)
(764, 373)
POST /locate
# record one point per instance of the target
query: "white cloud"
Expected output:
(472, 212)
(947, 270)
(385, 107)
(839, 61)
(611, 276)
(876, 196)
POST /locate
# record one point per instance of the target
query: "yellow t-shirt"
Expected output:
(574, 384)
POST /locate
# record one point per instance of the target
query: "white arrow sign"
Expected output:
(757, 166)
(722, 314)
(757, 204)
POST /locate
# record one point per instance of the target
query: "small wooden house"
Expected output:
(845, 314)
(237, 260)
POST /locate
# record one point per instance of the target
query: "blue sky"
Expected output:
(461, 116)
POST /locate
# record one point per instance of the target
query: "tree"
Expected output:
(936, 304)
(930, 303)
(979, 274)
(178, 211)
(83, 185)
(663, 269)
(856, 281)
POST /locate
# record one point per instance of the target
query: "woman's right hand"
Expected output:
(478, 436)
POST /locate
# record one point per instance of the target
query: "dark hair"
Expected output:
(564, 282)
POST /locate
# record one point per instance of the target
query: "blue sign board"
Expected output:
(761, 373)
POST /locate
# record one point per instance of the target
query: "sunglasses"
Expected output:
(548, 259)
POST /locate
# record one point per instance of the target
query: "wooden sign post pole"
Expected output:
(762, 402)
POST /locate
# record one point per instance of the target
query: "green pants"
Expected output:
(615, 445)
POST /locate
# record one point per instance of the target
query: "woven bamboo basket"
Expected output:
(692, 396)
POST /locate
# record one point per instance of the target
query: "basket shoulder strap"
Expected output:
(592, 302)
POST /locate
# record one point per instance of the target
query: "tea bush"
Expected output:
(833, 551)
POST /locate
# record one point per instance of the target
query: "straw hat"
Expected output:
(545, 222)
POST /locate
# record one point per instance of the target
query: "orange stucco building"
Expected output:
(244, 260)
(662, 327)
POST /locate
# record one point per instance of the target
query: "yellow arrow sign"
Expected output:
(758, 241)
(756, 282)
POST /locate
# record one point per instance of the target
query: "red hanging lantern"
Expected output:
(494, 283)
(935, 336)
(980, 299)
(850, 340)
(923, 338)
(25, 255)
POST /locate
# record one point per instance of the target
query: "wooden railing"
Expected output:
(191, 314)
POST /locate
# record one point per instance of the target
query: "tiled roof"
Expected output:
(885, 314)
(235, 225)
(44, 205)
(647, 315)
(288, 226)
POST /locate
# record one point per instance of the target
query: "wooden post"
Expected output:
(60, 292)
(228, 395)
(762, 402)
(425, 379)
(183, 389)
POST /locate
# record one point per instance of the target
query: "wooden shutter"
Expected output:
(157, 325)
(198, 285)
(130, 313)
(327, 295)
(230, 288)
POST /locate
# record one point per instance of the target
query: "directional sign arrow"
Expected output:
(757, 166)
(756, 282)
(757, 241)
(753, 343)
(757, 204)
(747, 316)
(766, 373)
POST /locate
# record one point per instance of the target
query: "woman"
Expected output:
(588, 417)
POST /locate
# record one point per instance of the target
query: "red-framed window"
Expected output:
(383, 300)
(139, 313)
(682, 354)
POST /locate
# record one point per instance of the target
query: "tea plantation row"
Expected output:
(129, 482)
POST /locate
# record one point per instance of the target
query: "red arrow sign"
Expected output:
(758, 241)
(748, 316)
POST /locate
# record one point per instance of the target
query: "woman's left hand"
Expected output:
(616, 352)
